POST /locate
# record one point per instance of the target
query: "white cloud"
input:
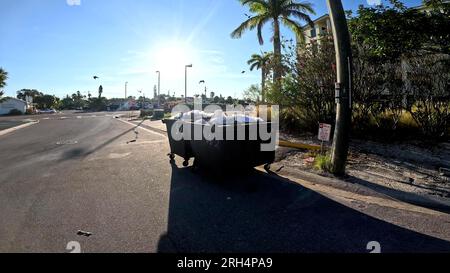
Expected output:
(73, 2)
(374, 2)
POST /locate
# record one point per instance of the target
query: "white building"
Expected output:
(322, 26)
(10, 104)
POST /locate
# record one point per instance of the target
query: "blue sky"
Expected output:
(56, 48)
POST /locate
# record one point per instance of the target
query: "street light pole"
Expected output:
(185, 81)
(142, 98)
(159, 87)
(344, 69)
(206, 90)
(126, 85)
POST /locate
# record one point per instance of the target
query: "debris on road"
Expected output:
(84, 233)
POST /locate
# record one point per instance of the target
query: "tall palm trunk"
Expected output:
(263, 84)
(277, 54)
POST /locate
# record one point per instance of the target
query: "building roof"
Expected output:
(10, 98)
(325, 16)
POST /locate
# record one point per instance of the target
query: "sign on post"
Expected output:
(29, 99)
(324, 132)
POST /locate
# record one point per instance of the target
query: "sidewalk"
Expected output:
(349, 186)
(154, 125)
(349, 190)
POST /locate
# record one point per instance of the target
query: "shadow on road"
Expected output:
(403, 196)
(259, 213)
(83, 152)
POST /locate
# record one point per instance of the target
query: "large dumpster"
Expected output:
(178, 147)
(227, 155)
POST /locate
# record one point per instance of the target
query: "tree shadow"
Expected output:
(82, 152)
(258, 213)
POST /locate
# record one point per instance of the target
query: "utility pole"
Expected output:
(126, 85)
(206, 89)
(159, 87)
(344, 69)
(185, 81)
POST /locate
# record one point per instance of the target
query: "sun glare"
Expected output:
(172, 58)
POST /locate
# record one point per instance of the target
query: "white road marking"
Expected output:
(147, 130)
(79, 117)
(10, 130)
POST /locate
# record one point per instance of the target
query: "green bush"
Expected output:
(307, 92)
(158, 114)
(323, 163)
(146, 113)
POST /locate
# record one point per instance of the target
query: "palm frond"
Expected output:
(255, 65)
(295, 27)
(3, 77)
(249, 24)
(256, 5)
(299, 15)
(304, 7)
(260, 26)
(254, 58)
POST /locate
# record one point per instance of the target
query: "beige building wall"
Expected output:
(322, 26)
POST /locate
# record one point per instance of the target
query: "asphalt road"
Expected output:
(9, 124)
(76, 172)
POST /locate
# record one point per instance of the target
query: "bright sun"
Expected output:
(172, 58)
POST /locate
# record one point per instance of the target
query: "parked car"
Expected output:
(47, 111)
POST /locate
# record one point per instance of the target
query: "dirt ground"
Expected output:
(411, 167)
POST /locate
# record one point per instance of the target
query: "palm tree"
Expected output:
(3, 78)
(100, 92)
(261, 61)
(275, 11)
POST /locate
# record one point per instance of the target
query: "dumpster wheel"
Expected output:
(186, 162)
(172, 158)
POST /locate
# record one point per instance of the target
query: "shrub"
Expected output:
(158, 114)
(307, 91)
(146, 113)
(429, 93)
(323, 163)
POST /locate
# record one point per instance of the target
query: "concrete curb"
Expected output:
(430, 202)
(13, 129)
